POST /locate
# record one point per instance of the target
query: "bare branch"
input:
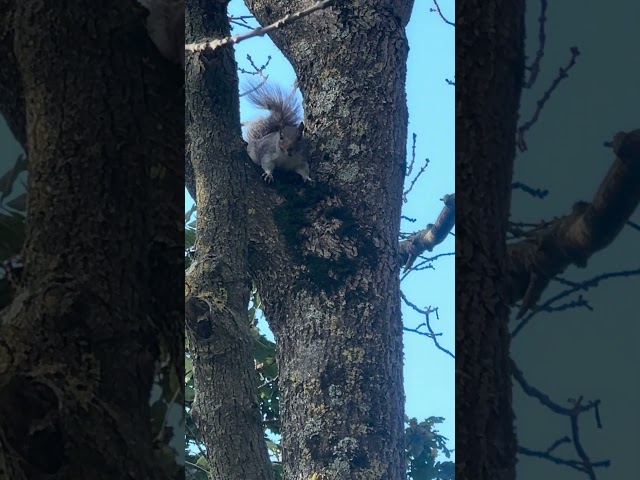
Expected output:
(547, 306)
(562, 74)
(534, 68)
(574, 238)
(577, 408)
(413, 155)
(427, 323)
(437, 9)
(427, 239)
(415, 179)
(256, 69)
(241, 21)
(260, 31)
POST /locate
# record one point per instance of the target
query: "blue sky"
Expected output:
(429, 373)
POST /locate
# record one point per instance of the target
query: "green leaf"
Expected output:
(188, 367)
(273, 447)
(189, 393)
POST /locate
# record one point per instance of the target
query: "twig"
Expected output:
(562, 74)
(260, 31)
(413, 182)
(585, 464)
(256, 70)
(535, 66)
(437, 9)
(584, 286)
(193, 465)
(433, 335)
(413, 155)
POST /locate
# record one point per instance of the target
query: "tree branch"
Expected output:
(260, 31)
(584, 464)
(427, 239)
(574, 238)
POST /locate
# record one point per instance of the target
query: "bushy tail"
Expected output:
(284, 109)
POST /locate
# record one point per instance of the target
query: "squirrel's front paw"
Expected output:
(267, 177)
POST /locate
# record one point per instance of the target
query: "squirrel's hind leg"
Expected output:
(303, 171)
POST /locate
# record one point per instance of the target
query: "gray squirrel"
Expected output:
(275, 141)
(165, 27)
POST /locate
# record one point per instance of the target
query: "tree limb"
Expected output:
(427, 239)
(260, 31)
(574, 238)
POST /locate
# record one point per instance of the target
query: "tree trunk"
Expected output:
(90, 320)
(489, 74)
(324, 258)
(226, 408)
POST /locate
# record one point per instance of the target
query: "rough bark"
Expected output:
(489, 73)
(79, 344)
(217, 290)
(324, 258)
(11, 91)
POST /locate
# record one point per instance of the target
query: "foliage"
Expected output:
(424, 445)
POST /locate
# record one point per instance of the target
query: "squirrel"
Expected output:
(165, 27)
(275, 141)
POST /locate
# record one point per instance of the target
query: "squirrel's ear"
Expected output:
(301, 127)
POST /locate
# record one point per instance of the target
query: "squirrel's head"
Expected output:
(291, 139)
